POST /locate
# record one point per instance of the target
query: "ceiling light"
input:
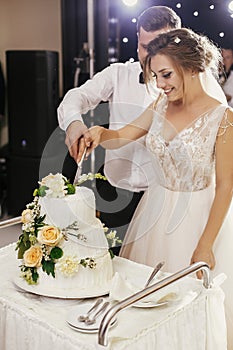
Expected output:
(130, 2)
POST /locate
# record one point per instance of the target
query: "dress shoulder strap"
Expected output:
(225, 124)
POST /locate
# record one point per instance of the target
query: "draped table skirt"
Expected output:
(34, 322)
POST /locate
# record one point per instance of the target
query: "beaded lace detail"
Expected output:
(187, 161)
(226, 123)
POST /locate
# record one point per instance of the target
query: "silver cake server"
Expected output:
(154, 272)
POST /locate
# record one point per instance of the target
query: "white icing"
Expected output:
(75, 207)
(85, 277)
(86, 240)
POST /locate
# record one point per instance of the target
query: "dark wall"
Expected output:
(75, 33)
(32, 99)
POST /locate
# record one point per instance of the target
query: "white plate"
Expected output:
(74, 323)
(149, 304)
(170, 300)
(82, 330)
(61, 293)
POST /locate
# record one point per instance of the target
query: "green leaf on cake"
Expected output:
(41, 191)
(88, 262)
(22, 248)
(70, 188)
(35, 275)
(30, 274)
(35, 193)
(112, 255)
(48, 267)
(39, 222)
(23, 244)
(56, 253)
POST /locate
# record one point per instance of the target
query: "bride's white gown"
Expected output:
(174, 210)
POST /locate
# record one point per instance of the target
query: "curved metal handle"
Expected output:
(111, 313)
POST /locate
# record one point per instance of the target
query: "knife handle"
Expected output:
(154, 272)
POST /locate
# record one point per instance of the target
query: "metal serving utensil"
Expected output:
(92, 319)
(83, 318)
(154, 272)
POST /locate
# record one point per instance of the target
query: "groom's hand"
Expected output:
(74, 136)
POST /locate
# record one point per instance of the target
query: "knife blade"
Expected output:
(79, 168)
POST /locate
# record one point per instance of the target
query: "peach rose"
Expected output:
(49, 235)
(33, 256)
(26, 216)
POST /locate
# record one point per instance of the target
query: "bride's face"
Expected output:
(168, 77)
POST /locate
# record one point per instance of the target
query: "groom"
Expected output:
(128, 170)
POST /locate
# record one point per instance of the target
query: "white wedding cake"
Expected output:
(63, 246)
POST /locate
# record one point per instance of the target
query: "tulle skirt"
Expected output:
(166, 227)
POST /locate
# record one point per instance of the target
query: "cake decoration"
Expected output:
(61, 235)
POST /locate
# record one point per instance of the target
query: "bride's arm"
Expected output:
(223, 193)
(111, 139)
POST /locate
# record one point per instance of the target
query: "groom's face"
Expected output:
(144, 38)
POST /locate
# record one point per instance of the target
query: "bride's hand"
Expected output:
(202, 253)
(92, 138)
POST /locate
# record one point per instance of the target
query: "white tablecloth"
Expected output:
(33, 322)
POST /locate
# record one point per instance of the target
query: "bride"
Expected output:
(184, 216)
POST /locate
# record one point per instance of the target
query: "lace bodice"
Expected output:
(185, 163)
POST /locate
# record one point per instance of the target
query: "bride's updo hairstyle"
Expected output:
(188, 50)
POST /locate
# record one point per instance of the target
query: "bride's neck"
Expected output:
(195, 95)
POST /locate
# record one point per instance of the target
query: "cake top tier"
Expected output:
(54, 186)
(58, 186)
(78, 207)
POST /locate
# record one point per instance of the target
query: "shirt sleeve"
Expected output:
(80, 100)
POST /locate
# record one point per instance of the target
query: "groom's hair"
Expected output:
(158, 17)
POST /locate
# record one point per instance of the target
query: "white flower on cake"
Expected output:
(27, 275)
(55, 185)
(112, 237)
(27, 216)
(28, 227)
(68, 265)
(91, 177)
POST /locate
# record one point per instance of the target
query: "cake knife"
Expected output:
(79, 168)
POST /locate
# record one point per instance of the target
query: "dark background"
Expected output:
(108, 35)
